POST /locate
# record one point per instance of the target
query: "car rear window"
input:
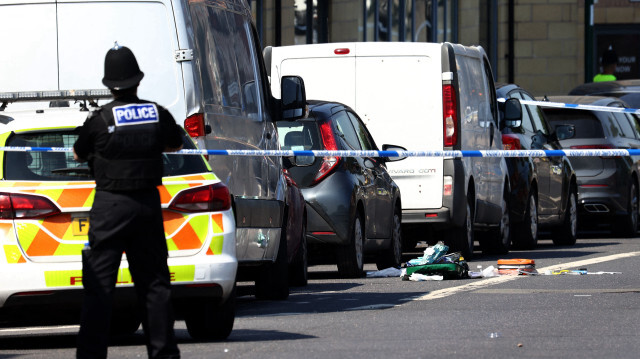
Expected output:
(298, 135)
(586, 124)
(60, 166)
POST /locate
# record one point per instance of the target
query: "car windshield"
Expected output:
(586, 124)
(298, 135)
(60, 166)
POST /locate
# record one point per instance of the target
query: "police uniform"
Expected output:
(123, 142)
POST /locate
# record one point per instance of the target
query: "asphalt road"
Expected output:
(545, 316)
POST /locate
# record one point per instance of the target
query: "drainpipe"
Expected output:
(512, 41)
(588, 41)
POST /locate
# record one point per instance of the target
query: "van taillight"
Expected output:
(210, 198)
(341, 51)
(194, 125)
(449, 115)
(24, 206)
(511, 142)
(330, 162)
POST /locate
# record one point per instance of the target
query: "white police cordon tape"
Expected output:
(315, 153)
(577, 107)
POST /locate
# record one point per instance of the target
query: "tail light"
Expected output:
(447, 186)
(330, 162)
(194, 125)
(210, 198)
(511, 142)
(24, 206)
(449, 115)
(595, 147)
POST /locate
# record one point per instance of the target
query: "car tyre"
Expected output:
(566, 234)
(392, 256)
(351, 256)
(627, 226)
(526, 233)
(461, 239)
(206, 320)
(298, 273)
(272, 283)
(498, 241)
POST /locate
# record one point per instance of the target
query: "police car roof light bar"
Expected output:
(77, 95)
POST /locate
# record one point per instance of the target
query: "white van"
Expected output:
(202, 60)
(422, 96)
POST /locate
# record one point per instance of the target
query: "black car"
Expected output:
(543, 189)
(353, 205)
(626, 90)
(607, 186)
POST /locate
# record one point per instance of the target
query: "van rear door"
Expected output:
(399, 97)
(29, 61)
(87, 30)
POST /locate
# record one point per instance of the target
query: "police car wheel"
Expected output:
(207, 320)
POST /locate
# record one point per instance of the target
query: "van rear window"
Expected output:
(586, 124)
(60, 166)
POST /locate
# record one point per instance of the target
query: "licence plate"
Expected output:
(80, 226)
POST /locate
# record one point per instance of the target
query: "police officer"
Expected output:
(123, 142)
(609, 62)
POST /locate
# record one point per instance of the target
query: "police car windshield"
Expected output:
(60, 166)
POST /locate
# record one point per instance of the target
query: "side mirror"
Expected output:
(303, 161)
(294, 98)
(565, 132)
(512, 110)
(393, 148)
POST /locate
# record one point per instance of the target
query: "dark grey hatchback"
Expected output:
(353, 205)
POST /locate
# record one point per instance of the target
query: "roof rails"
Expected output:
(56, 95)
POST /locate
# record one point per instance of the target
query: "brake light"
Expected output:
(194, 125)
(210, 198)
(511, 142)
(330, 162)
(341, 51)
(449, 115)
(24, 206)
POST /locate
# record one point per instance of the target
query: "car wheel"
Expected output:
(392, 256)
(498, 241)
(461, 239)
(298, 274)
(526, 233)
(206, 320)
(351, 256)
(272, 283)
(627, 226)
(566, 234)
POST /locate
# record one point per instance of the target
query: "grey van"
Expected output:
(202, 60)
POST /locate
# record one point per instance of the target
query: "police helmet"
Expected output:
(121, 70)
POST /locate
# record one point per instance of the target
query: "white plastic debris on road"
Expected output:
(387, 272)
(417, 277)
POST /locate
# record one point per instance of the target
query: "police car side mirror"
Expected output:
(294, 98)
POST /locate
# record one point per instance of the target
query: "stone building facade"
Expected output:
(548, 38)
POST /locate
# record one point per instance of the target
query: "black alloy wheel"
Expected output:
(351, 256)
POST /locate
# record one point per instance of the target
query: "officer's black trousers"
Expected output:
(129, 222)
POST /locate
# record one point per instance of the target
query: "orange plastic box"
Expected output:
(515, 266)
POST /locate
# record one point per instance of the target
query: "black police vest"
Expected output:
(132, 157)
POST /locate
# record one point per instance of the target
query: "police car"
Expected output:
(45, 198)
